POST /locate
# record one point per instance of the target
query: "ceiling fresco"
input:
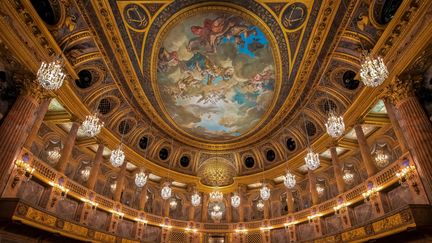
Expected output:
(215, 74)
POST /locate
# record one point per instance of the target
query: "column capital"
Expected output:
(401, 88)
(30, 86)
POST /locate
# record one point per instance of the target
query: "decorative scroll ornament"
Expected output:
(140, 179)
(265, 193)
(216, 196)
(260, 205)
(235, 200)
(92, 125)
(373, 71)
(117, 157)
(166, 191)
(289, 180)
(348, 177)
(312, 159)
(51, 75)
(335, 124)
(196, 199)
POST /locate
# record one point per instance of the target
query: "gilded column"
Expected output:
(290, 201)
(416, 127)
(365, 151)
(395, 124)
(120, 182)
(16, 126)
(94, 173)
(42, 110)
(68, 147)
(312, 188)
(337, 170)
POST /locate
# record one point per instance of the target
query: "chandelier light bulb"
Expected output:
(260, 205)
(216, 215)
(117, 157)
(113, 186)
(51, 75)
(335, 125)
(320, 190)
(235, 200)
(373, 71)
(265, 193)
(289, 180)
(166, 192)
(196, 199)
(312, 159)
(140, 179)
(92, 125)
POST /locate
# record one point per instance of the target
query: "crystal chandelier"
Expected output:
(216, 196)
(85, 173)
(260, 205)
(92, 125)
(140, 179)
(216, 214)
(166, 191)
(51, 75)
(117, 157)
(195, 199)
(289, 180)
(348, 177)
(335, 124)
(53, 155)
(312, 159)
(265, 193)
(381, 158)
(113, 186)
(320, 190)
(173, 204)
(235, 200)
(373, 71)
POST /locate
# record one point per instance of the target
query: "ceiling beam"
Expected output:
(376, 119)
(57, 116)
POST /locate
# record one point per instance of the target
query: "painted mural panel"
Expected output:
(215, 75)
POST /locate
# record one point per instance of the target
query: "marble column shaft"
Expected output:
(120, 182)
(337, 170)
(143, 198)
(290, 201)
(191, 213)
(42, 110)
(391, 112)
(312, 188)
(365, 151)
(68, 147)
(204, 210)
(94, 173)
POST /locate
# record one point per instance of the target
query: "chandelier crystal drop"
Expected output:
(54, 155)
(235, 200)
(381, 158)
(373, 71)
(348, 177)
(51, 75)
(312, 159)
(140, 179)
(335, 125)
(196, 199)
(92, 125)
(166, 192)
(265, 193)
(117, 157)
(216, 215)
(289, 180)
(216, 196)
(260, 205)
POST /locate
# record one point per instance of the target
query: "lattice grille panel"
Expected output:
(254, 238)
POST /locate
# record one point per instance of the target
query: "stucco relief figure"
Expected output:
(216, 79)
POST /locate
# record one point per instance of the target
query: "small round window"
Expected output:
(249, 162)
(270, 155)
(163, 154)
(291, 144)
(184, 161)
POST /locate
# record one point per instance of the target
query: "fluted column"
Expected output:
(94, 173)
(16, 126)
(68, 147)
(395, 124)
(120, 182)
(42, 110)
(365, 151)
(290, 201)
(143, 197)
(337, 170)
(312, 188)
(416, 127)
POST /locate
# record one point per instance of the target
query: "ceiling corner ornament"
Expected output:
(312, 159)
(51, 75)
(166, 191)
(373, 70)
(335, 124)
(265, 193)
(235, 200)
(117, 156)
(140, 179)
(196, 199)
(92, 125)
(289, 180)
